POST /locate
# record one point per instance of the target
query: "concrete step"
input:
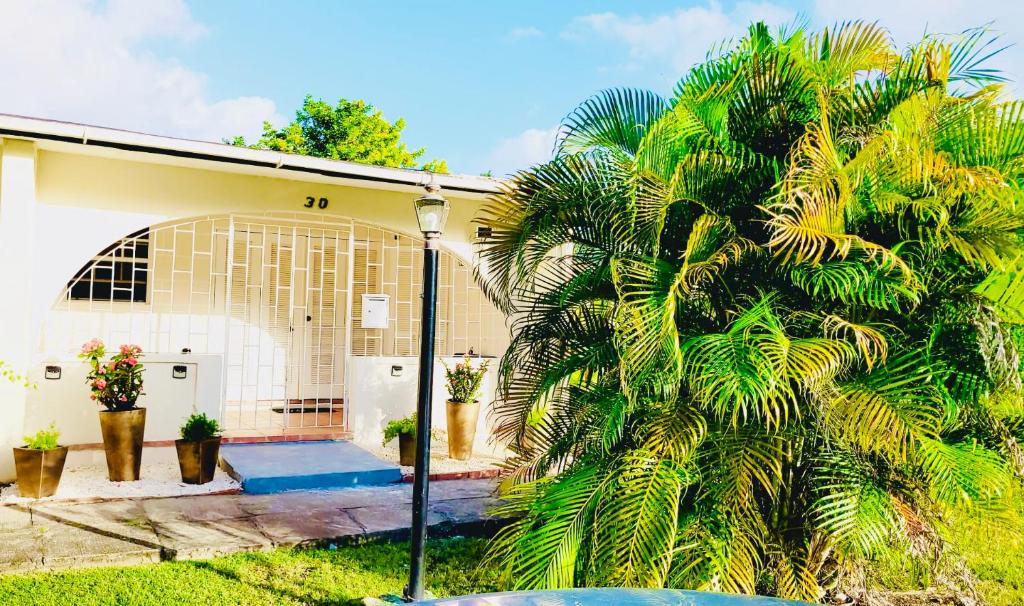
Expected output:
(281, 466)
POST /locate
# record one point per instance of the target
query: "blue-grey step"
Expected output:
(280, 466)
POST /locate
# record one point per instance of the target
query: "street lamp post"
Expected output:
(431, 214)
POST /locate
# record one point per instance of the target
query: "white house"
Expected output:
(279, 293)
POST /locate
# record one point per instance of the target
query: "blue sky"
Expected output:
(480, 84)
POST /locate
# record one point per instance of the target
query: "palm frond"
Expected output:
(850, 507)
(856, 281)
(869, 339)
(615, 119)
(889, 410)
(849, 49)
(545, 555)
(963, 475)
(637, 533)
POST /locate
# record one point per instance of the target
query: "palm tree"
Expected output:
(768, 328)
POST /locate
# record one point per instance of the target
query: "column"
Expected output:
(17, 222)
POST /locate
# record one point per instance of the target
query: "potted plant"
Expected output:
(405, 431)
(463, 383)
(39, 463)
(117, 384)
(198, 449)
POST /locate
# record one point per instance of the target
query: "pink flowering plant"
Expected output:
(463, 381)
(117, 382)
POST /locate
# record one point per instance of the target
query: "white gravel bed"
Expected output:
(85, 478)
(439, 460)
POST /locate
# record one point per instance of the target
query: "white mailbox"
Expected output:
(375, 311)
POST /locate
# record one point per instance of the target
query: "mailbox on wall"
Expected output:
(375, 311)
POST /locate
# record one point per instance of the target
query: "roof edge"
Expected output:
(98, 136)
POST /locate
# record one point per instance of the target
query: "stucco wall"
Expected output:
(380, 396)
(85, 203)
(168, 400)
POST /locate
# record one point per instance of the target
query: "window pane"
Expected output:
(119, 273)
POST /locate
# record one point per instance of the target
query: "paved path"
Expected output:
(51, 536)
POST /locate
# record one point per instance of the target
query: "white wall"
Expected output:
(376, 397)
(168, 401)
(17, 225)
(73, 236)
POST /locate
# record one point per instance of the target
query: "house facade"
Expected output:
(278, 293)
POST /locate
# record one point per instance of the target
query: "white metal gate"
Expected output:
(288, 305)
(278, 298)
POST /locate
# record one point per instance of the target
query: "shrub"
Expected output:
(199, 427)
(45, 439)
(774, 319)
(398, 427)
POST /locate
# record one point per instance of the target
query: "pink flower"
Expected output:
(132, 361)
(91, 345)
(100, 384)
(123, 398)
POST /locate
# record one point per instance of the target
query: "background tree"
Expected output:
(350, 130)
(767, 329)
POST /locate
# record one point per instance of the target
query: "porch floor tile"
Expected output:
(282, 466)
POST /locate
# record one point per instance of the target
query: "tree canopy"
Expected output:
(768, 328)
(351, 130)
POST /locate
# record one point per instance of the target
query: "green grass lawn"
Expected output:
(285, 576)
(994, 553)
(996, 556)
(344, 576)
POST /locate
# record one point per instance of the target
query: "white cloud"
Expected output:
(682, 37)
(532, 146)
(909, 20)
(519, 33)
(84, 61)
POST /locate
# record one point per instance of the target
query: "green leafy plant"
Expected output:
(44, 439)
(463, 381)
(199, 427)
(117, 382)
(13, 376)
(399, 427)
(350, 130)
(774, 319)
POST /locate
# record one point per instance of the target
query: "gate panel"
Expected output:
(279, 298)
(286, 345)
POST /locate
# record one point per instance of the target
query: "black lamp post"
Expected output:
(431, 214)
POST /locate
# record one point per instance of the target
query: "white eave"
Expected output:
(288, 166)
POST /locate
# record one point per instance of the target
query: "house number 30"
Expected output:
(311, 202)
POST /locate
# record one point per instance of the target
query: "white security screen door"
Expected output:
(286, 343)
(318, 318)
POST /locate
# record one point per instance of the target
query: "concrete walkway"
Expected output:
(52, 536)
